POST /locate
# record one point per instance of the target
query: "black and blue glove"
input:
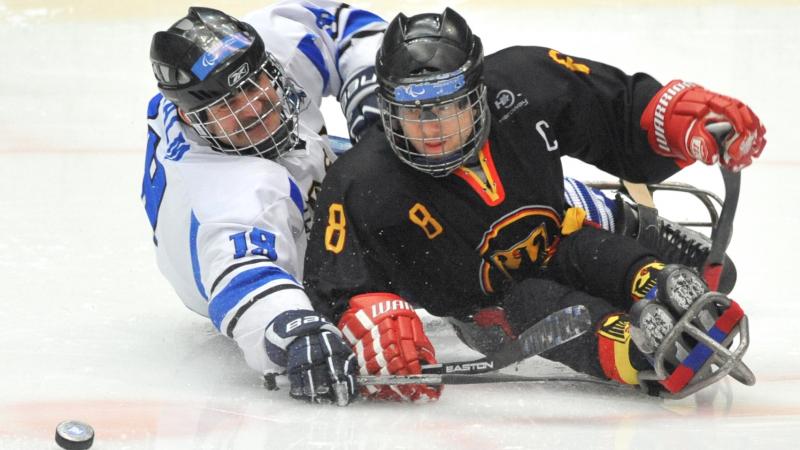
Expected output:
(359, 101)
(320, 365)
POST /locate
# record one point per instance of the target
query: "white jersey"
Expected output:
(231, 231)
(323, 45)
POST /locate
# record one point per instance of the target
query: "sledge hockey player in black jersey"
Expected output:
(457, 205)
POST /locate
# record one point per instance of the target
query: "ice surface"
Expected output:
(92, 332)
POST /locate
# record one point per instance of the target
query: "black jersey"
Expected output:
(453, 244)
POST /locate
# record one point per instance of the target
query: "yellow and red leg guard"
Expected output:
(644, 280)
(613, 346)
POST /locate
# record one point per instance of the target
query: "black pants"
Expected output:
(593, 268)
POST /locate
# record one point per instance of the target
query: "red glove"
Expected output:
(387, 337)
(676, 119)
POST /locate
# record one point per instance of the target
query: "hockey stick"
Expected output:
(721, 234)
(485, 378)
(557, 328)
(703, 356)
(721, 237)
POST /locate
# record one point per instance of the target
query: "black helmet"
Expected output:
(430, 69)
(216, 70)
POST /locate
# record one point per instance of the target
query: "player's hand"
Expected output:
(676, 119)
(359, 101)
(387, 336)
(320, 365)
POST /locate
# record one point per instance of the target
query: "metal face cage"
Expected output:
(258, 117)
(437, 137)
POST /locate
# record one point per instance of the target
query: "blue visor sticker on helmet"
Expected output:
(428, 91)
(219, 53)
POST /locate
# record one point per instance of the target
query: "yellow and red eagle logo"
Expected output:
(517, 244)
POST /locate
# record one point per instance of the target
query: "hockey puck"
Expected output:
(74, 435)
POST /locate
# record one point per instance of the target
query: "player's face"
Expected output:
(437, 130)
(249, 117)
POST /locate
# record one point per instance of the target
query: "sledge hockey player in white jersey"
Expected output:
(236, 148)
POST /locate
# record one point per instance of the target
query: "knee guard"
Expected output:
(618, 358)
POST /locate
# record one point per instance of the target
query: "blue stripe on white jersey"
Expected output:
(309, 48)
(152, 107)
(176, 142)
(358, 19)
(154, 181)
(599, 208)
(297, 196)
(170, 112)
(177, 148)
(591, 208)
(325, 20)
(198, 280)
(240, 287)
